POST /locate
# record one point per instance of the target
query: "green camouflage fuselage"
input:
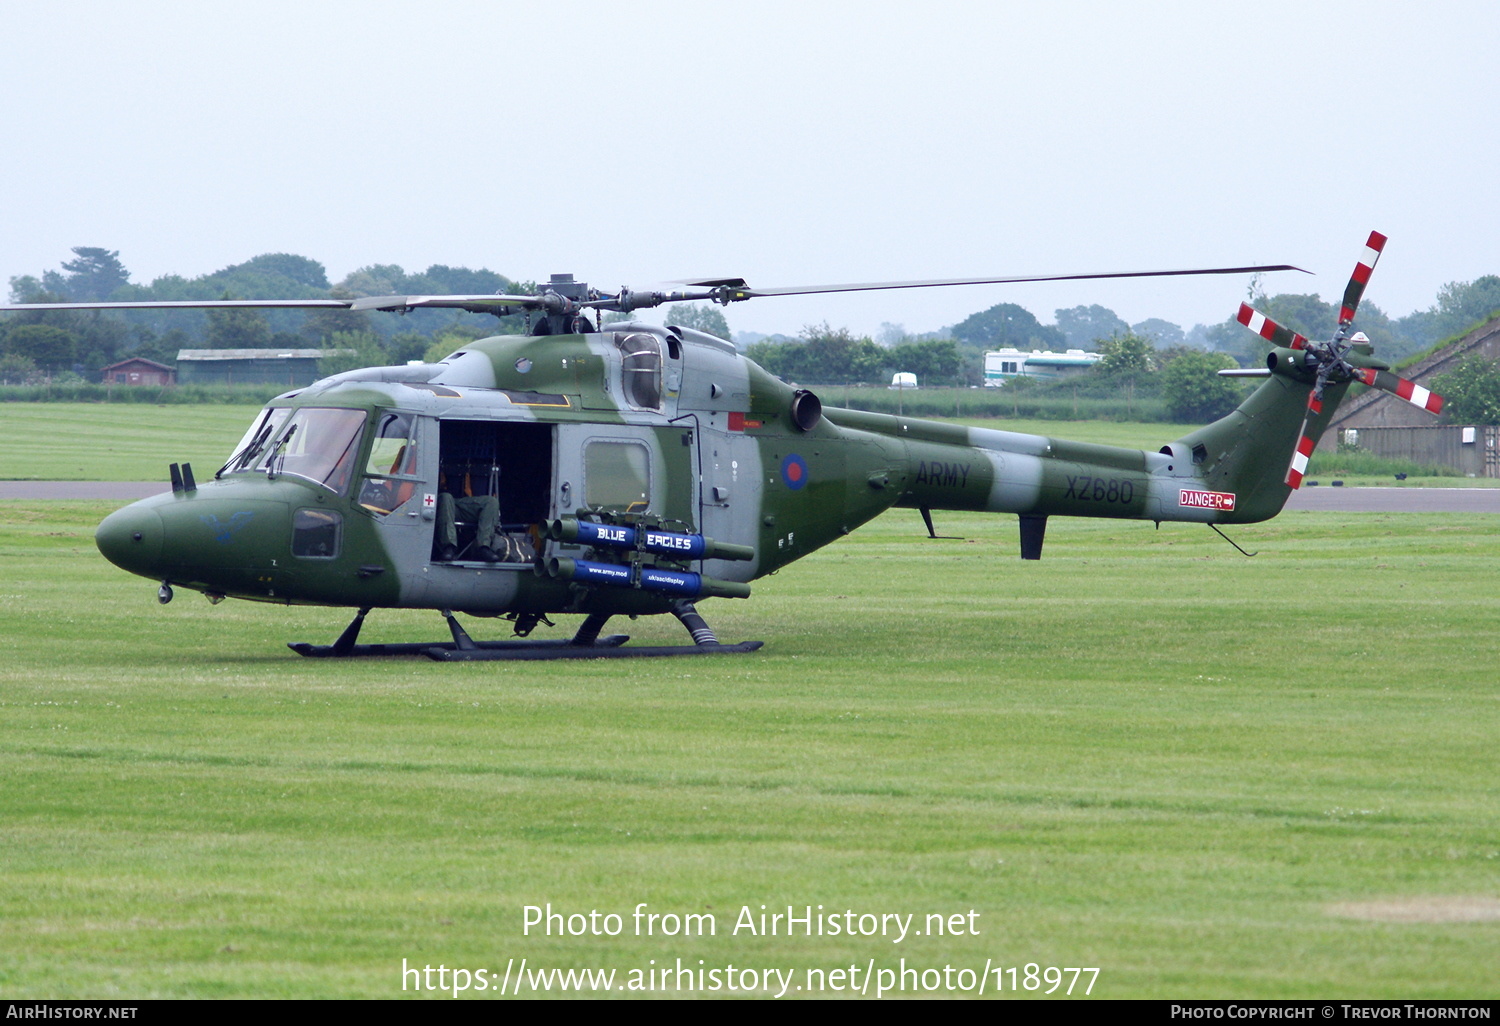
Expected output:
(335, 503)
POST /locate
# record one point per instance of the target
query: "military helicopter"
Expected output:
(636, 469)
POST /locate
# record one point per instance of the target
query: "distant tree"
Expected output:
(462, 281)
(97, 337)
(836, 355)
(161, 348)
(449, 343)
(1233, 339)
(933, 361)
(102, 338)
(1127, 359)
(823, 355)
(704, 317)
(1305, 313)
(377, 280)
(1389, 342)
(1163, 357)
(1083, 325)
(360, 349)
(1461, 305)
(299, 269)
(26, 288)
(18, 370)
(323, 324)
(437, 280)
(1471, 393)
(1163, 334)
(237, 328)
(405, 347)
(1007, 325)
(1319, 321)
(1127, 354)
(50, 348)
(93, 276)
(1193, 390)
(1420, 326)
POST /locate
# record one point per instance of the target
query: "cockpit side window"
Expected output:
(640, 366)
(392, 465)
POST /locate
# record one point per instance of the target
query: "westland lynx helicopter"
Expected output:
(637, 469)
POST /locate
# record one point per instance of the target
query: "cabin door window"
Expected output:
(617, 475)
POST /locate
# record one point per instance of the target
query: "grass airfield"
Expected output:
(1206, 775)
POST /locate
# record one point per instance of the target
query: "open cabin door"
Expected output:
(507, 460)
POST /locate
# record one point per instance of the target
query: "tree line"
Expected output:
(83, 343)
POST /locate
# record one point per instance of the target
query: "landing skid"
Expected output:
(602, 649)
(445, 650)
(586, 644)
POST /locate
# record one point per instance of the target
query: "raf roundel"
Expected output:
(794, 472)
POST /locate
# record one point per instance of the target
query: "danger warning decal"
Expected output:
(1205, 500)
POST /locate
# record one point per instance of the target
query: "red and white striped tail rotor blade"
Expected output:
(1268, 329)
(1300, 455)
(1303, 451)
(1400, 387)
(1361, 277)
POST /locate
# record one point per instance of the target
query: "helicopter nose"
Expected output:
(130, 538)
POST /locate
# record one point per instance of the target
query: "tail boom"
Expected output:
(1231, 471)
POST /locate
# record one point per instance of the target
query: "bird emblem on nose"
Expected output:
(224, 533)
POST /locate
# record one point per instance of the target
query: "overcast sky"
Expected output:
(786, 143)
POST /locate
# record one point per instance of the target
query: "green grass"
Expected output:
(115, 441)
(88, 392)
(1144, 753)
(1360, 467)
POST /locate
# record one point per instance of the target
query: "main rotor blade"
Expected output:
(1401, 388)
(1361, 277)
(189, 304)
(474, 304)
(736, 290)
(1268, 329)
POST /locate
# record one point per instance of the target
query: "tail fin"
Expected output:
(1260, 451)
(1248, 451)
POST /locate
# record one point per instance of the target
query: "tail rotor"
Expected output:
(1344, 358)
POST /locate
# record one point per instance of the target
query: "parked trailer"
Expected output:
(1003, 364)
